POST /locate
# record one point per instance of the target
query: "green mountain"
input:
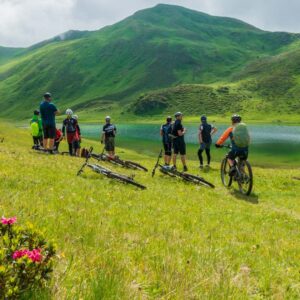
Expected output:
(7, 53)
(158, 59)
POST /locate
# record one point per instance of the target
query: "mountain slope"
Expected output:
(155, 48)
(7, 53)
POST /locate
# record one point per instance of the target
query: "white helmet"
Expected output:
(69, 112)
(107, 118)
(75, 117)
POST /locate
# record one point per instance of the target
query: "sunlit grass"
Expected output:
(172, 241)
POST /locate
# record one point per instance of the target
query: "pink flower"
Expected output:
(34, 255)
(8, 221)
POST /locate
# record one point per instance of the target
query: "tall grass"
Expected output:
(172, 241)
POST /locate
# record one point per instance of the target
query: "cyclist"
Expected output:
(77, 140)
(205, 138)
(36, 130)
(165, 131)
(69, 130)
(58, 139)
(108, 136)
(238, 150)
(179, 145)
(48, 112)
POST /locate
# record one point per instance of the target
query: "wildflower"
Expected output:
(34, 255)
(8, 221)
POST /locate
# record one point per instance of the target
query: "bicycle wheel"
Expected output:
(225, 168)
(125, 179)
(197, 180)
(135, 165)
(245, 181)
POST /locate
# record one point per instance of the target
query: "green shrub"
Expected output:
(26, 259)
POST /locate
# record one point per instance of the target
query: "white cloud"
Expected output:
(24, 22)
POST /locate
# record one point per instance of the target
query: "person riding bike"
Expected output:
(240, 141)
(69, 130)
(108, 137)
(179, 145)
(36, 130)
(205, 139)
(165, 131)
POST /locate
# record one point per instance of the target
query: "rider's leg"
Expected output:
(200, 151)
(174, 159)
(207, 150)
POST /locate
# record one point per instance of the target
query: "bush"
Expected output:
(26, 259)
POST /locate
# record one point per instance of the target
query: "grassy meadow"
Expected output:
(172, 241)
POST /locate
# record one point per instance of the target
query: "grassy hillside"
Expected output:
(155, 48)
(7, 54)
(173, 241)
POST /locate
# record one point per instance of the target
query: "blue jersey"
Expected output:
(48, 111)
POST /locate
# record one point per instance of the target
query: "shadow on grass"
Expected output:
(253, 198)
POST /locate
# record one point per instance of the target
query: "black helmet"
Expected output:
(47, 95)
(169, 119)
(36, 112)
(236, 119)
(203, 118)
(178, 114)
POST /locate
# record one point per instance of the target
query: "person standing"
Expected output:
(165, 131)
(36, 130)
(77, 140)
(179, 145)
(206, 131)
(108, 137)
(48, 112)
(58, 139)
(69, 130)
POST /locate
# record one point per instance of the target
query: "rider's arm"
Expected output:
(214, 130)
(63, 129)
(200, 136)
(224, 136)
(161, 131)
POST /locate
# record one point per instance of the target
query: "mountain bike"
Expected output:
(170, 171)
(108, 173)
(120, 162)
(242, 174)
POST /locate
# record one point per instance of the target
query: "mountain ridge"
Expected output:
(156, 48)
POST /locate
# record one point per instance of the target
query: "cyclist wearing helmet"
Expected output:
(236, 151)
(178, 142)
(165, 131)
(108, 136)
(69, 130)
(48, 112)
(205, 133)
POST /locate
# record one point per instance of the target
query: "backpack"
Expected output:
(167, 130)
(35, 129)
(85, 153)
(241, 136)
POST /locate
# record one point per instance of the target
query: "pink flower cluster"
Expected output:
(35, 255)
(8, 221)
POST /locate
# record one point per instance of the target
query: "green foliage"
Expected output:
(26, 260)
(155, 48)
(173, 240)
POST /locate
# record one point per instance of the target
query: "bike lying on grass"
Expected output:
(108, 173)
(167, 170)
(120, 162)
(242, 174)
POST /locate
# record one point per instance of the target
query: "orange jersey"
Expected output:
(227, 133)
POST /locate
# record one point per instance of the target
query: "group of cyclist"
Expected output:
(47, 136)
(174, 143)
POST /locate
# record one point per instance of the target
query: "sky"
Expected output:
(26, 22)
